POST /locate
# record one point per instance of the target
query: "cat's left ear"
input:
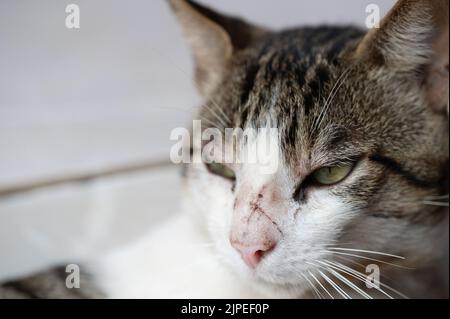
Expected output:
(213, 39)
(413, 40)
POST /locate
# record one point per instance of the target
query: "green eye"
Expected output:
(221, 170)
(332, 175)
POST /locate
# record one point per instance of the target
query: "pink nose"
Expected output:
(252, 255)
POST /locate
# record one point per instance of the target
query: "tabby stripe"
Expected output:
(249, 83)
(395, 167)
(21, 288)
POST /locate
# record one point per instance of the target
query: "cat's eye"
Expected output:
(221, 170)
(332, 174)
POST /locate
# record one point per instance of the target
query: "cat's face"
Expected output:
(358, 152)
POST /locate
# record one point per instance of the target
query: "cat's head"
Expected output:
(361, 149)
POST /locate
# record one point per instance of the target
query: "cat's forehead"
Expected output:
(290, 79)
(324, 105)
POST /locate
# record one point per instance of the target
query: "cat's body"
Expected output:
(50, 284)
(361, 153)
(162, 265)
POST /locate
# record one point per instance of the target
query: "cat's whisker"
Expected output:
(334, 244)
(350, 284)
(363, 278)
(218, 118)
(349, 260)
(220, 110)
(367, 251)
(432, 203)
(215, 104)
(344, 280)
(320, 284)
(316, 291)
(436, 200)
(354, 274)
(437, 197)
(205, 120)
(367, 258)
(196, 84)
(328, 269)
(330, 98)
(334, 285)
(217, 108)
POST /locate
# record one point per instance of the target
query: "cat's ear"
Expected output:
(213, 38)
(413, 39)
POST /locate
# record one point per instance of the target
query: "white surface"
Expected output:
(66, 224)
(79, 100)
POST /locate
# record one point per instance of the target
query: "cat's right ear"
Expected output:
(213, 39)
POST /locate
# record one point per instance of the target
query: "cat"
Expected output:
(361, 182)
(362, 152)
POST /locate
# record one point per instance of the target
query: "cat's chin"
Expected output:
(270, 285)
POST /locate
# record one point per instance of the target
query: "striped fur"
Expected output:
(50, 284)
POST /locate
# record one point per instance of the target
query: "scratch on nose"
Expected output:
(256, 208)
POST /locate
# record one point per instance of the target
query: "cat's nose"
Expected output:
(253, 254)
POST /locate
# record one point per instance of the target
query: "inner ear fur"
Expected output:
(213, 39)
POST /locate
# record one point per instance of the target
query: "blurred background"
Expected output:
(86, 114)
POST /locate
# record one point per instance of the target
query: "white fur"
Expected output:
(190, 256)
(173, 262)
